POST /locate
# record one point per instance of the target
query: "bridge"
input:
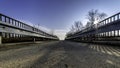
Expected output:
(60, 54)
(106, 31)
(12, 30)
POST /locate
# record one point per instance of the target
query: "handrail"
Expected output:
(104, 22)
(21, 25)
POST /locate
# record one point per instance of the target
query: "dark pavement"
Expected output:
(62, 54)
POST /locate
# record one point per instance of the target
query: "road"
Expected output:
(61, 54)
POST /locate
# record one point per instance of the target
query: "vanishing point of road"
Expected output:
(60, 54)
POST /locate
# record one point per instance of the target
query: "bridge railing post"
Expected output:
(110, 19)
(118, 17)
(0, 17)
(114, 18)
(34, 40)
(117, 32)
(9, 20)
(5, 19)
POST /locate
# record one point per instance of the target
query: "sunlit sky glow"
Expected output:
(56, 14)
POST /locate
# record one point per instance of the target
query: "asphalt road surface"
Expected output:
(61, 54)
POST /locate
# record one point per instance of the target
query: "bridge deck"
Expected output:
(61, 54)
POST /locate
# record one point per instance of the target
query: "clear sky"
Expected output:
(56, 14)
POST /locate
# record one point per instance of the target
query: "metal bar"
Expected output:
(114, 33)
(5, 18)
(114, 18)
(118, 32)
(9, 20)
(118, 17)
(0, 17)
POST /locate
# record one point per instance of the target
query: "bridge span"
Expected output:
(60, 54)
(106, 31)
(12, 30)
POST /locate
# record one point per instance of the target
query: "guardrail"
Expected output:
(106, 30)
(11, 28)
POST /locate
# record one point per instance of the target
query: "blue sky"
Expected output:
(56, 14)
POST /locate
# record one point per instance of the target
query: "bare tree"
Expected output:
(77, 26)
(92, 16)
(72, 29)
(88, 24)
(101, 16)
(95, 16)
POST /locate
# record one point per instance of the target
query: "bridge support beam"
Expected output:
(34, 40)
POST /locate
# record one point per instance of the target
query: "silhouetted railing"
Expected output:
(106, 30)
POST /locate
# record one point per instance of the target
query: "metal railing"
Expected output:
(106, 30)
(13, 23)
